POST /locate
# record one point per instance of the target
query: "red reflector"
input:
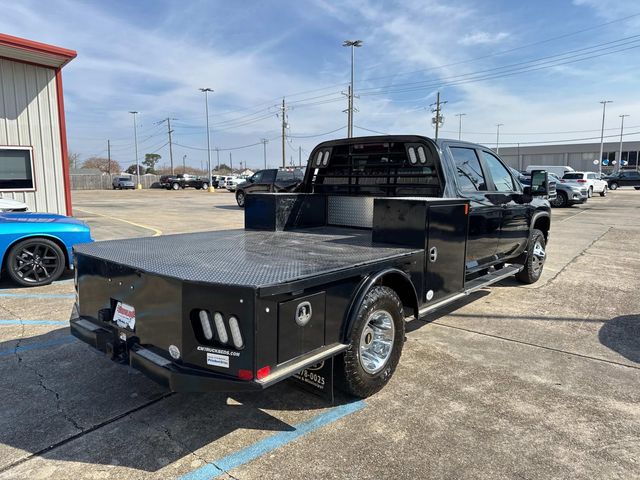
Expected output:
(466, 209)
(245, 374)
(263, 372)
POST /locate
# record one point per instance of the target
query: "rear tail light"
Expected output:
(222, 332)
(245, 374)
(236, 336)
(582, 180)
(263, 372)
(205, 322)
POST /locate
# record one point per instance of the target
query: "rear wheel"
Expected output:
(590, 192)
(561, 200)
(604, 191)
(535, 257)
(613, 186)
(35, 262)
(205, 186)
(375, 344)
(175, 186)
(240, 198)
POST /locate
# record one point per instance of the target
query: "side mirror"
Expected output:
(539, 183)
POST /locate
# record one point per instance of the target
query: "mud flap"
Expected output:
(317, 379)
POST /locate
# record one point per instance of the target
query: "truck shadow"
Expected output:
(622, 334)
(68, 402)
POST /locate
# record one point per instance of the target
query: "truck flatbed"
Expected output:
(247, 258)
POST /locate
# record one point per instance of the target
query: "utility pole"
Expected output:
(353, 44)
(498, 125)
(184, 164)
(169, 131)
(264, 150)
(218, 156)
(206, 109)
(135, 137)
(230, 162)
(283, 115)
(621, 134)
(109, 155)
(299, 156)
(604, 109)
(438, 119)
(460, 115)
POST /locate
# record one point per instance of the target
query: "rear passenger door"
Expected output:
(261, 181)
(485, 214)
(505, 191)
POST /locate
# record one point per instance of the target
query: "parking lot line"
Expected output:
(155, 231)
(34, 322)
(38, 346)
(258, 449)
(37, 295)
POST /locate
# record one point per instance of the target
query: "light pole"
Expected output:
(622, 133)
(135, 139)
(184, 164)
(264, 151)
(498, 137)
(604, 109)
(460, 115)
(206, 109)
(353, 44)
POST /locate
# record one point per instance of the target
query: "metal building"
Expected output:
(579, 156)
(34, 164)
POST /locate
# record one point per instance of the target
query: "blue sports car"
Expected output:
(36, 248)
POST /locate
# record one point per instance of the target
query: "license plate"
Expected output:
(125, 316)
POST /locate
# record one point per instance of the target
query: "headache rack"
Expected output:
(392, 168)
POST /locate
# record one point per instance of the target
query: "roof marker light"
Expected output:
(412, 156)
(325, 159)
(222, 332)
(205, 321)
(319, 158)
(422, 155)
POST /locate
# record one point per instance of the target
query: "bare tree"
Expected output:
(102, 164)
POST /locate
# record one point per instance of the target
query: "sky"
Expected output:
(538, 68)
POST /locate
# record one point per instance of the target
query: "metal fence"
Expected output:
(103, 182)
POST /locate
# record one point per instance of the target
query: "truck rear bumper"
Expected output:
(177, 378)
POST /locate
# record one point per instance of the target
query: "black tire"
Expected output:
(561, 200)
(240, 198)
(352, 376)
(205, 186)
(175, 186)
(114, 187)
(604, 192)
(590, 192)
(637, 188)
(35, 262)
(534, 259)
(613, 186)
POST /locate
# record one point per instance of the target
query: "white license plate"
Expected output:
(125, 316)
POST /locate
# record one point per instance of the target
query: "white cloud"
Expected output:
(482, 38)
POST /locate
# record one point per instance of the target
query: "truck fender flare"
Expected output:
(393, 278)
(540, 215)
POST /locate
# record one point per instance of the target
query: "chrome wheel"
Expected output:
(376, 341)
(538, 257)
(35, 263)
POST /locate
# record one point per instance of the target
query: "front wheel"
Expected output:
(613, 186)
(240, 198)
(535, 257)
(35, 262)
(561, 200)
(375, 344)
(603, 193)
(175, 186)
(205, 186)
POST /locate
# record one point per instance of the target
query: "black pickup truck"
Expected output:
(177, 182)
(383, 229)
(272, 180)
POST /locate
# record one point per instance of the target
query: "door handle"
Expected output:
(433, 254)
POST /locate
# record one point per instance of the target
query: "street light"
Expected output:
(353, 44)
(621, 134)
(184, 164)
(460, 115)
(206, 109)
(498, 137)
(604, 109)
(135, 138)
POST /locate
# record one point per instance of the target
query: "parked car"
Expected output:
(11, 205)
(558, 170)
(588, 179)
(624, 178)
(568, 194)
(36, 248)
(270, 180)
(123, 183)
(183, 180)
(222, 181)
(525, 179)
(232, 183)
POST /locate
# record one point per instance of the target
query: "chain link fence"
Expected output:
(104, 182)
